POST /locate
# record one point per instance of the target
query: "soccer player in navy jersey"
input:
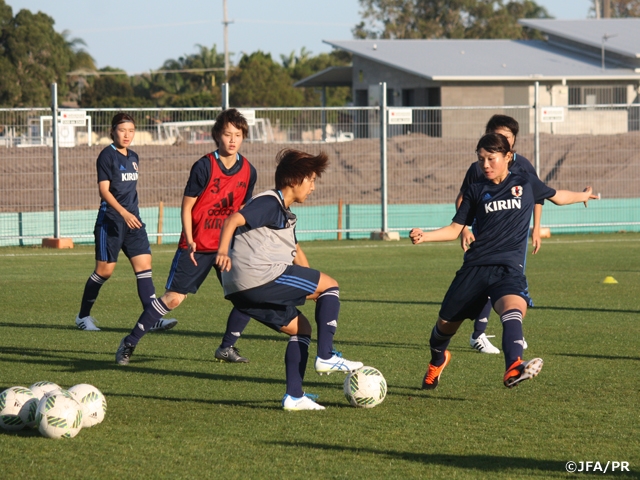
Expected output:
(509, 128)
(266, 275)
(118, 226)
(494, 263)
(219, 184)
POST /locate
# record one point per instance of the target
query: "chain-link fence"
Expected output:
(423, 159)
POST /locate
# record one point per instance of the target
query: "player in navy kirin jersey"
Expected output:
(118, 226)
(508, 127)
(494, 263)
(219, 184)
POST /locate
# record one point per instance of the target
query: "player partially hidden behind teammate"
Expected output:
(219, 183)
(118, 226)
(494, 264)
(509, 128)
(266, 274)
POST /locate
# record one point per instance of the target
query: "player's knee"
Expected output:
(173, 299)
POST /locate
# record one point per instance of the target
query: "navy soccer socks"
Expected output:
(146, 290)
(480, 323)
(152, 313)
(438, 342)
(236, 323)
(295, 362)
(90, 295)
(512, 338)
(327, 310)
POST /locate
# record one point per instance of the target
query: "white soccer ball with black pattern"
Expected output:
(40, 388)
(17, 408)
(365, 388)
(93, 403)
(59, 415)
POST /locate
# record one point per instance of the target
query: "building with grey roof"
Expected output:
(568, 67)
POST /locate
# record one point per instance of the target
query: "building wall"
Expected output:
(405, 89)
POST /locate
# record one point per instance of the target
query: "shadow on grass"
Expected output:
(484, 463)
(598, 357)
(537, 307)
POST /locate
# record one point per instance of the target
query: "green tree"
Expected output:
(260, 82)
(34, 55)
(447, 19)
(169, 88)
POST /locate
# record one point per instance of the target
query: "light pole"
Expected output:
(226, 23)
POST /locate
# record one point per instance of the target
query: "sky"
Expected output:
(140, 35)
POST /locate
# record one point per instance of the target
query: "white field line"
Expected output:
(318, 246)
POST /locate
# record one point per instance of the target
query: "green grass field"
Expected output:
(174, 413)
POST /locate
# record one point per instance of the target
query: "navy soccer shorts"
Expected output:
(274, 304)
(112, 236)
(471, 286)
(184, 276)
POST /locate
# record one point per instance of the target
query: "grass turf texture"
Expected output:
(173, 412)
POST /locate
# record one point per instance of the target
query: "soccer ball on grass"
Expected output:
(40, 388)
(59, 415)
(17, 408)
(93, 403)
(365, 388)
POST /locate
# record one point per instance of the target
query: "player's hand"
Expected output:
(416, 236)
(131, 220)
(223, 262)
(536, 240)
(192, 250)
(466, 238)
(590, 195)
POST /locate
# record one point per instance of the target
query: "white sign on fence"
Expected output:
(552, 114)
(400, 116)
(73, 117)
(249, 114)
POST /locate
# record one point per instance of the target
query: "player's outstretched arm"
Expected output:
(444, 234)
(466, 236)
(223, 262)
(535, 234)
(567, 197)
(130, 219)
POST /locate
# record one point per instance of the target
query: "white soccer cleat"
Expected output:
(87, 324)
(164, 324)
(482, 344)
(336, 364)
(303, 403)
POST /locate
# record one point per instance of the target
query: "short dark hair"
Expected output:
(494, 143)
(226, 117)
(119, 118)
(294, 166)
(503, 121)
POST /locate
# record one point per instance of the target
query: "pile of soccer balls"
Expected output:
(365, 387)
(57, 413)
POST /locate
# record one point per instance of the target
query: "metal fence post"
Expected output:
(536, 128)
(56, 163)
(383, 153)
(225, 96)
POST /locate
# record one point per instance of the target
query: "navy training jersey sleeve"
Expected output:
(198, 178)
(264, 211)
(473, 175)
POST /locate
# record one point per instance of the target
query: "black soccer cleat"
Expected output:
(124, 352)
